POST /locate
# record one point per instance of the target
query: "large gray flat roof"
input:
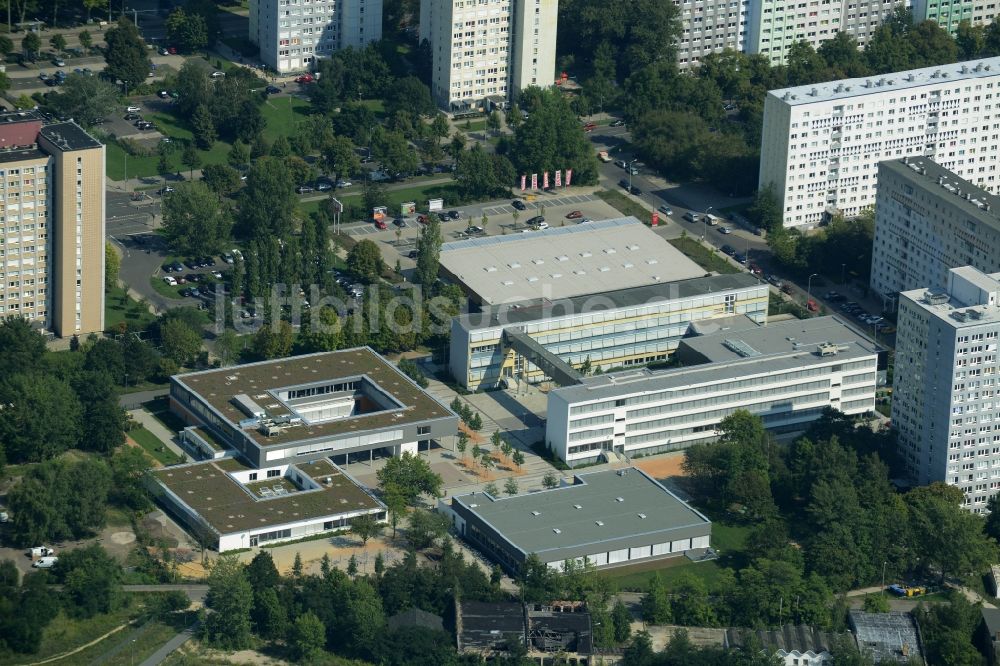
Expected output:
(958, 311)
(528, 311)
(897, 81)
(631, 505)
(768, 349)
(563, 262)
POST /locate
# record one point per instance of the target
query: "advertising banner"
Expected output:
(569, 176)
(435, 204)
(545, 180)
(534, 181)
(524, 180)
(558, 177)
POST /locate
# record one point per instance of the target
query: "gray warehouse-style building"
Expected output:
(609, 518)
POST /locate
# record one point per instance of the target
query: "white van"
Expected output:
(711, 220)
(45, 563)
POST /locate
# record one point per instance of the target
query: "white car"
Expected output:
(542, 225)
(725, 230)
(217, 275)
(133, 109)
(45, 563)
(218, 75)
(343, 183)
(170, 280)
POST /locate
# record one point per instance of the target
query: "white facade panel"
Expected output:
(616, 556)
(680, 546)
(822, 144)
(640, 552)
(700, 542)
(661, 549)
(599, 559)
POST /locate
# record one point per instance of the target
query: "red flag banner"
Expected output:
(545, 180)
(534, 181)
(523, 181)
(558, 178)
(569, 176)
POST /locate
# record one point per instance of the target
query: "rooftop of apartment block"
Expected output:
(543, 308)
(731, 354)
(971, 298)
(375, 395)
(227, 505)
(564, 262)
(69, 136)
(971, 199)
(914, 78)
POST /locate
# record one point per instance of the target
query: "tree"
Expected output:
(231, 597)
(86, 41)
(409, 95)
(550, 481)
(203, 128)
(30, 45)
(267, 201)
(765, 209)
(365, 261)
(59, 500)
(102, 417)
(393, 150)
(510, 486)
(456, 145)
(86, 99)
(6, 46)
(482, 175)
(239, 155)
(222, 179)
(188, 31)
(425, 527)
(491, 489)
(539, 583)
(191, 159)
(551, 139)
(112, 265)
(655, 606)
(195, 222)
(58, 42)
(128, 467)
(621, 619)
(180, 342)
(365, 527)
(429, 252)
(463, 443)
(273, 340)
(91, 580)
(126, 54)
(876, 603)
(951, 539)
(308, 637)
(41, 417)
(340, 158)
(518, 459)
(410, 475)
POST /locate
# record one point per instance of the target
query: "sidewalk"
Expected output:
(162, 433)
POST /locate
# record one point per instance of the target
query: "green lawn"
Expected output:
(624, 205)
(164, 289)
(120, 308)
(636, 577)
(153, 446)
(702, 256)
(64, 634)
(281, 114)
(133, 644)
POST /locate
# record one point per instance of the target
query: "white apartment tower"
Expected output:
(291, 34)
(822, 143)
(949, 14)
(710, 26)
(774, 25)
(488, 48)
(928, 221)
(945, 406)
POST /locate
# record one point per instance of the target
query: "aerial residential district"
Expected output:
(460, 332)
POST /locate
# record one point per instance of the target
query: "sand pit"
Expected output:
(122, 538)
(664, 466)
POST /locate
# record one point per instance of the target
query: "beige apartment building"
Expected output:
(51, 224)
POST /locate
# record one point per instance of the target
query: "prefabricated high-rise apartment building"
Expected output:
(710, 26)
(945, 406)
(949, 14)
(51, 224)
(822, 143)
(488, 49)
(292, 34)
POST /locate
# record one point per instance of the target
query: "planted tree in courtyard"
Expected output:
(365, 527)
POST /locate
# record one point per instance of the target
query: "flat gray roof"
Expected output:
(551, 523)
(767, 349)
(534, 310)
(563, 262)
(847, 88)
(959, 313)
(971, 199)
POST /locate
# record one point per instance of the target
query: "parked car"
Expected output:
(742, 258)
(170, 280)
(590, 127)
(193, 277)
(412, 254)
(422, 219)
(45, 563)
(535, 221)
(305, 78)
(163, 94)
(59, 62)
(324, 185)
(380, 224)
(166, 189)
(690, 216)
(812, 305)
(132, 116)
(454, 215)
(725, 230)
(617, 123)
(217, 275)
(728, 249)
(635, 190)
(343, 183)
(272, 90)
(217, 74)
(475, 231)
(399, 222)
(621, 163)
(518, 204)
(574, 215)
(833, 297)
(133, 109)
(542, 225)
(304, 189)
(666, 210)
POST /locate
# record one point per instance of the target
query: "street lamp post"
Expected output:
(843, 274)
(629, 167)
(809, 287)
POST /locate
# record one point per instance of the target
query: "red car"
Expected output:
(172, 50)
(589, 127)
(422, 219)
(380, 224)
(575, 215)
(305, 78)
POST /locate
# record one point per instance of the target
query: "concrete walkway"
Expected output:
(180, 639)
(160, 431)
